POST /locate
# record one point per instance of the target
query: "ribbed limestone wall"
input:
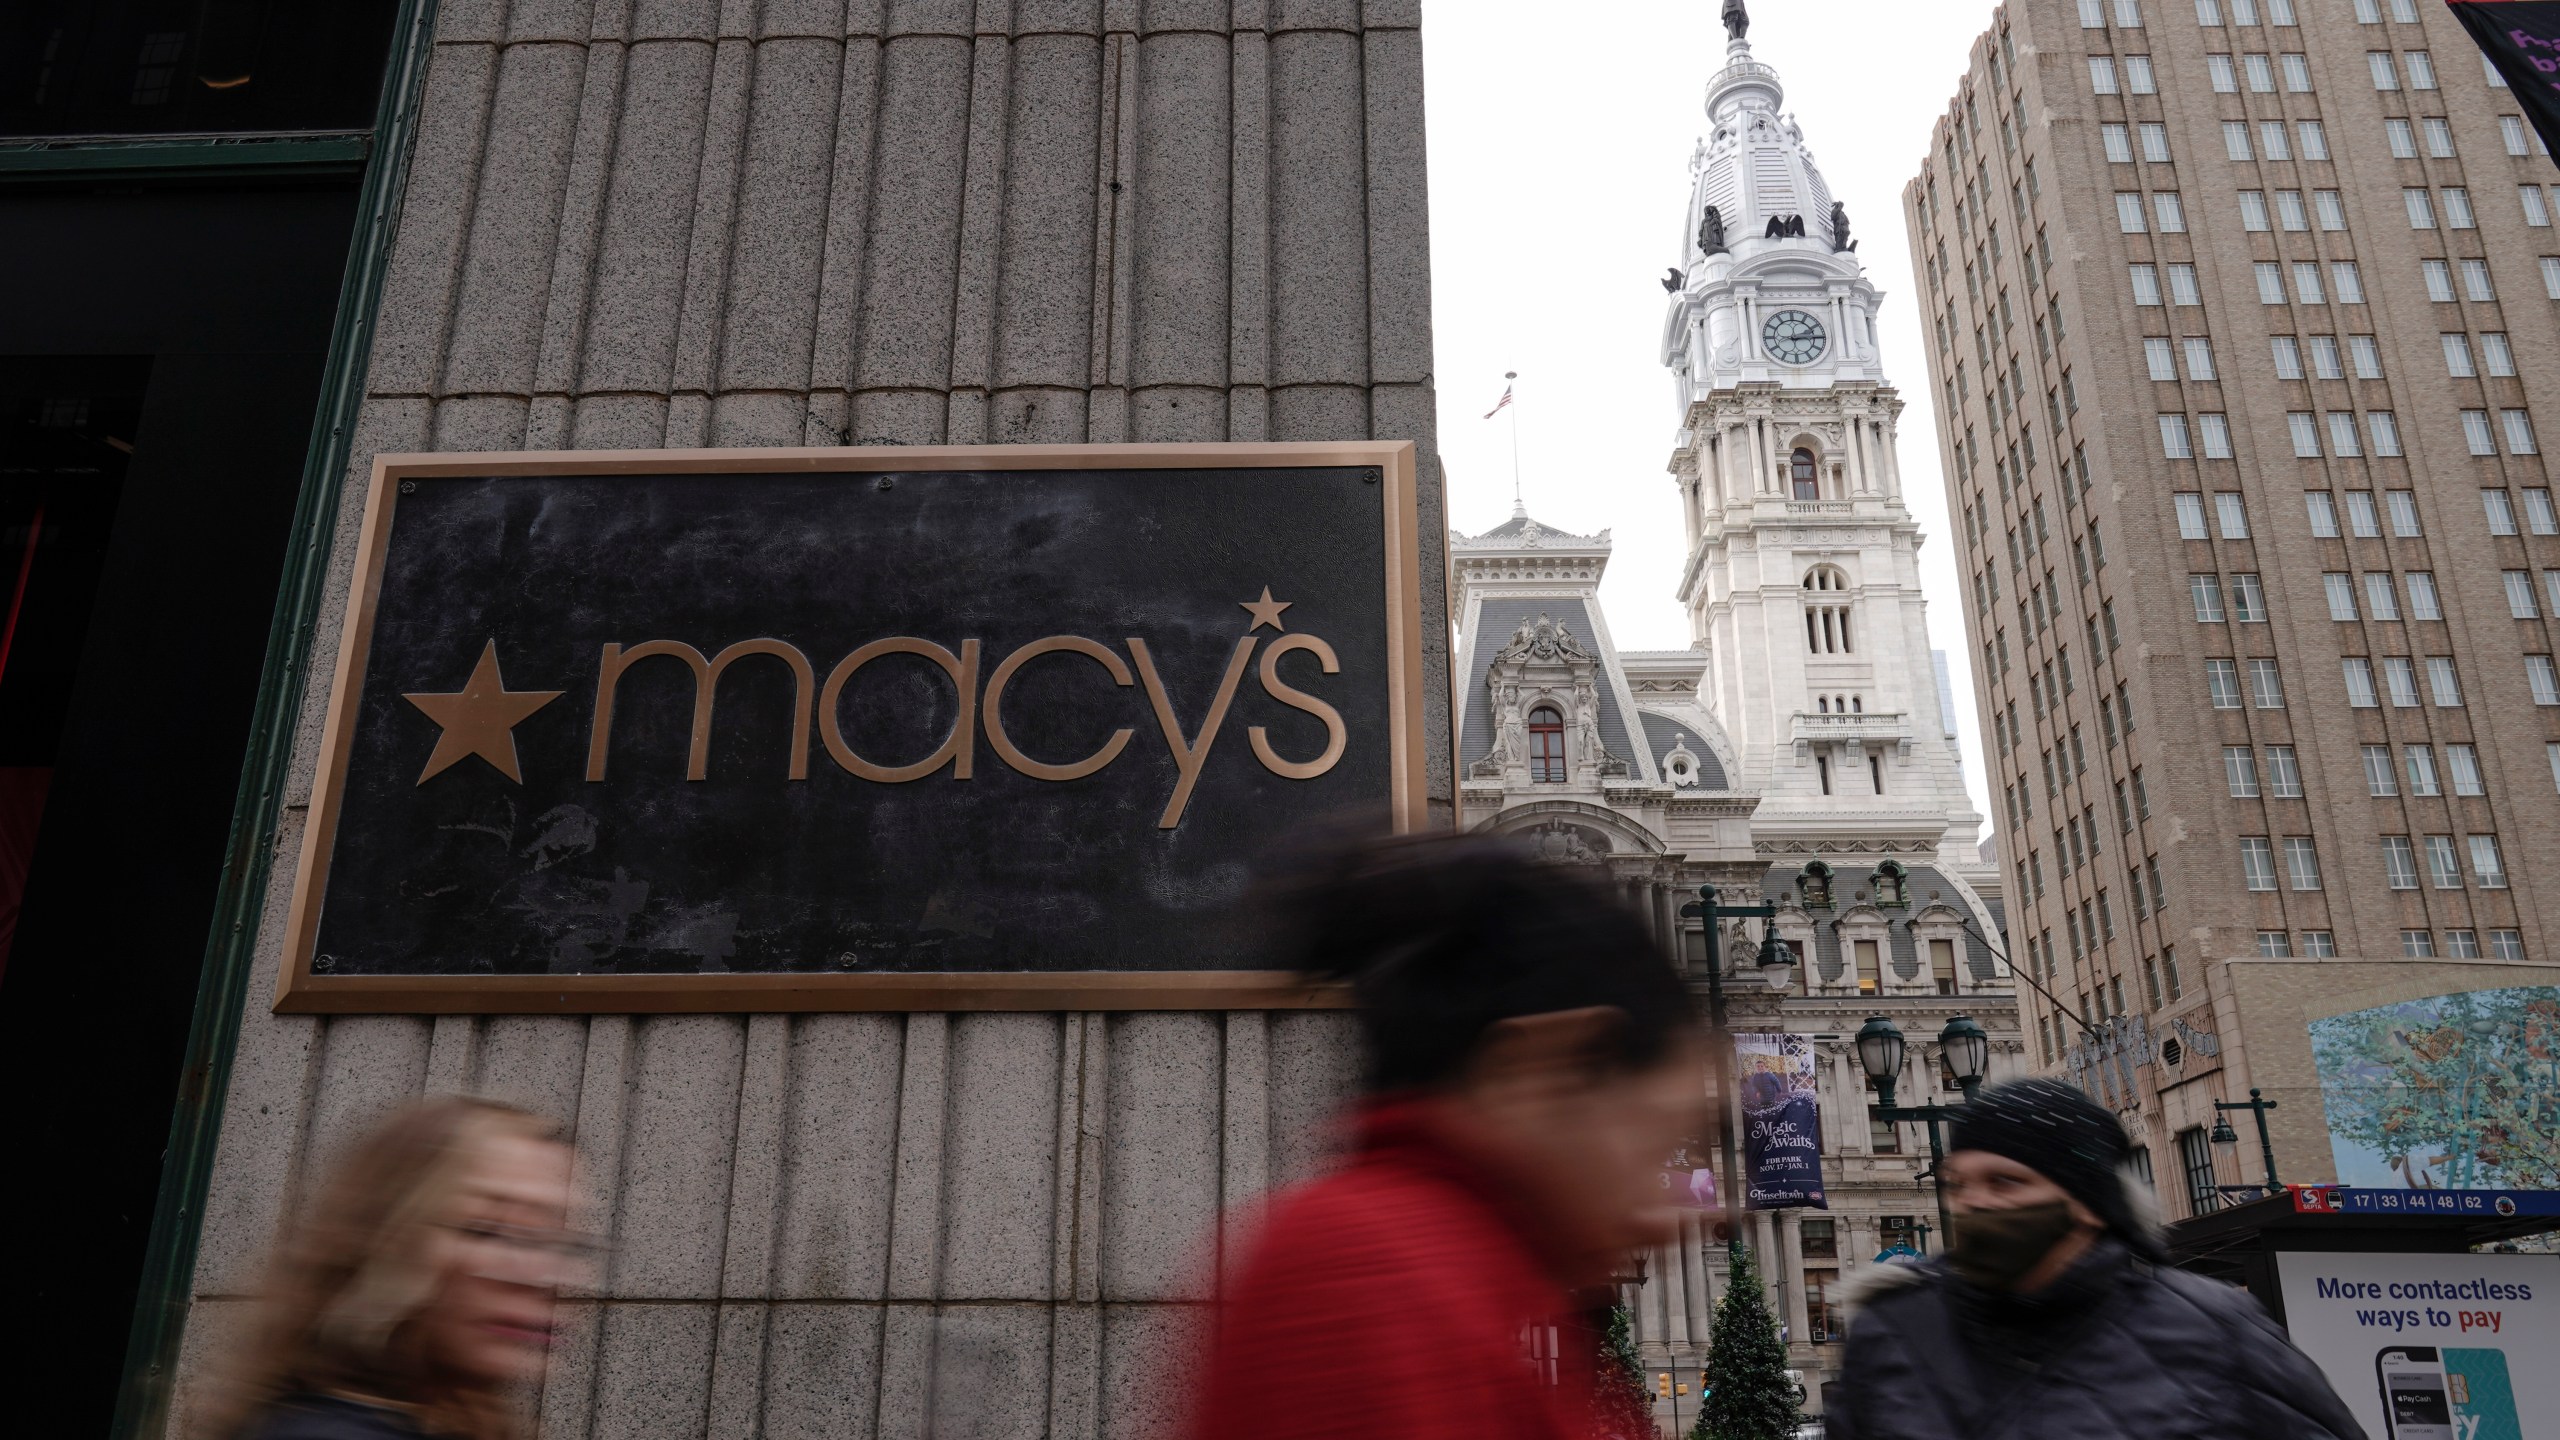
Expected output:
(678, 223)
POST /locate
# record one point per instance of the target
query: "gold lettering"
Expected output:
(992, 712)
(958, 749)
(1188, 757)
(706, 681)
(1335, 736)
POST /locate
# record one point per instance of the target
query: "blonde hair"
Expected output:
(346, 1288)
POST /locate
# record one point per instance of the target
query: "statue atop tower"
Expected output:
(1737, 21)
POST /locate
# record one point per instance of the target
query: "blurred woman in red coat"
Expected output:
(1531, 1060)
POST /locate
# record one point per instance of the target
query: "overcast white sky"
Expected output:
(1560, 139)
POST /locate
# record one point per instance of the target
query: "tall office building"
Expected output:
(2241, 342)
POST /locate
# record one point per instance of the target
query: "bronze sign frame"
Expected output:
(301, 991)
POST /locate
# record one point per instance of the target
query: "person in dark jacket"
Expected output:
(2054, 1311)
(416, 1290)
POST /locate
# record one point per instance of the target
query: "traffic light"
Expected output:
(1662, 1385)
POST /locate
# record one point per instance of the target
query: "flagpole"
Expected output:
(1509, 376)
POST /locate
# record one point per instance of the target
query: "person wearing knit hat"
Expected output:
(2053, 1129)
(2055, 1310)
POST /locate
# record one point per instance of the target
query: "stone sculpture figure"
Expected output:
(1737, 20)
(1711, 232)
(1840, 226)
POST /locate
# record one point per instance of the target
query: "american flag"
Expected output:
(1498, 404)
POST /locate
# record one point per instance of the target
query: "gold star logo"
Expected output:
(1266, 611)
(480, 719)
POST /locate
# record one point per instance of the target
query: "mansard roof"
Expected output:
(1521, 529)
(1847, 881)
(1501, 616)
(1663, 734)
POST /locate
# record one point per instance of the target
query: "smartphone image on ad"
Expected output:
(2484, 1399)
(2417, 1403)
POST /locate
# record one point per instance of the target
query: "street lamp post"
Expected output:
(2226, 1139)
(1968, 1053)
(1773, 956)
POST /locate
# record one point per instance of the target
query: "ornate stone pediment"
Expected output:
(1546, 666)
(1542, 639)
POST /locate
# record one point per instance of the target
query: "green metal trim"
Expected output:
(195, 1127)
(285, 155)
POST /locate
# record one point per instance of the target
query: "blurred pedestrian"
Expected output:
(2054, 1310)
(417, 1288)
(1531, 1060)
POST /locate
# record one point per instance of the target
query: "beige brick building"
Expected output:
(2242, 346)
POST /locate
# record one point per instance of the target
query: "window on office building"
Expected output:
(2195, 1158)
(2399, 863)
(2381, 779)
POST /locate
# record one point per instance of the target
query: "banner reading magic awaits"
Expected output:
(1781, 1123)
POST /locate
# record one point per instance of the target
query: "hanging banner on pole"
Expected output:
(1781, 1123)
(2522, 40)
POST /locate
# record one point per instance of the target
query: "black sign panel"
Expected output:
(877, 728)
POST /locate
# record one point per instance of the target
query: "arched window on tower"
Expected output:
(1808, 484)
(1826, 611)
(1546, 745)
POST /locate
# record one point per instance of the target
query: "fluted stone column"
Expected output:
(823, 222)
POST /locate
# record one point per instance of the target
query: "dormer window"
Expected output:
(1800, 468)
(1546, 746)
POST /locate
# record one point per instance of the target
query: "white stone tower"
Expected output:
(1803, 583)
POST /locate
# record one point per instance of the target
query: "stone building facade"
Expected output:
(2240, 337)
(889, 221)
(1799, 749)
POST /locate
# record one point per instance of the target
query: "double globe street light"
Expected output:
(1966, 1049)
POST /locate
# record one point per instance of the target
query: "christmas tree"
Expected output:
(1749, 1396)
(1625, 1412)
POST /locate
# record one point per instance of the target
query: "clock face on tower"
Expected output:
(1793, 337)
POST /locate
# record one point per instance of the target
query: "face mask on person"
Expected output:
(1992, 1248)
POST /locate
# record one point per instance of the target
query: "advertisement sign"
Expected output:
(2521, 38)
(2432, 1347)
(2450, 1092)
(1003, 727)
(1781, 1123)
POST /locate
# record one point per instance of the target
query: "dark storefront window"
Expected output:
(169, 298)
(66, 426)
(173, 67)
